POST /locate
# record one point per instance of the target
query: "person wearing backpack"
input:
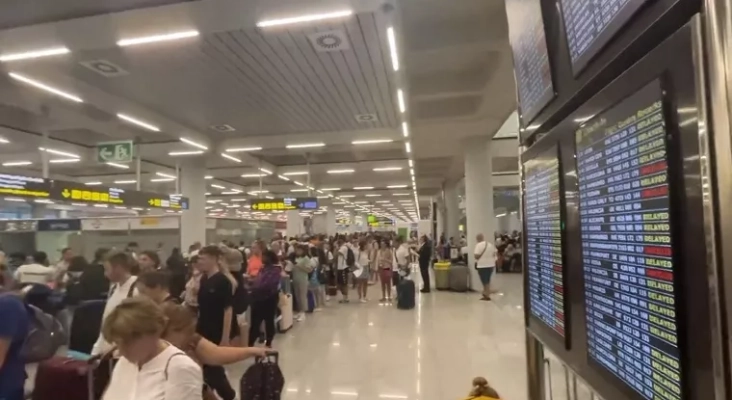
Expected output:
(118, 269)
(264, 297)
(14, 329)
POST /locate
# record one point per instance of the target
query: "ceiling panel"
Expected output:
(30, 12)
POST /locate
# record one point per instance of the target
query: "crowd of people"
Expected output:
(211, 305)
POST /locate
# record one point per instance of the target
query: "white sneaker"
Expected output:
(318, 309)
(364, 301)
(300, 317)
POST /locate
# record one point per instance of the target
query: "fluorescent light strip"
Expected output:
(266, 171)
(162, 179)
(408, 147)
(120, 166)
(164, 175)
(16, 163)
(363, 188)
(347, 196)
(411, 163)
(396, 186)
(405, 129)
(27, 55)
(59, 153)
(305, 145)
(253, 175)
(185, 153)
(4, 141)
(125, 182)
(374, 141)
(400, 100)
(64, 160)
(217, 186)
(386, 169)
(242, 149)
(43, 86)
(304, 18)
(207, 177)
(299, 190)
(138, 122)
(43, 201)
(295, 173)
(232, 158)
(341, 171)
(284, 178)
(391, 37)
(157, 38)
(298, 183)
(194, 144)
(93, 183)
(330, 189)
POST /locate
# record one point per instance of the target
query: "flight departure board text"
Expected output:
(544, 240)
(530, 57)
(627, 254)
(592, 24)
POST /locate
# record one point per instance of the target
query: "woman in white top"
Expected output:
(150, 368)
(364, 271)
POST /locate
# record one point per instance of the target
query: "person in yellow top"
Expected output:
(482, 390)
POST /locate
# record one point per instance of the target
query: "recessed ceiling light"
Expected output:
(59, 152)
(157, 38)
(43, 201)
(125, 182)
(411, 163)
(408, 147)
(258, 192)
(304, 18)
(164, 175)
(185, 153)
(27, 55)
(373, 195)
(266, 171)
(374, 141)
(387, 169)
(347, 196)
(360, 202)
(16, 163)
(253, 175)
(64, 160)
(208, 177)
(116, 165)
(330, 189)
(295, 173)
(284, 178)
(298, 183)
(193, 143)
(4, 141)
(217, 186)
(299, 190)
(232, 158)
(15, 199)
(400, 100)
(162, 179)
(363, 188)
(92, 183)
(305, 145)
(341, 171)
(391, 38)
(242, 149)
(43, 86)
(137, 122)
(405, 129)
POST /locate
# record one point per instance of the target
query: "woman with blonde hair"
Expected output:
(150, 368)
(482, 390)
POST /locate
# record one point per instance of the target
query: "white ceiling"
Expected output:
(270, 85)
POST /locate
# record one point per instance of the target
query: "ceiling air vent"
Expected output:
(329, 41)
(105, 68)
(223, 128)
(366, 118)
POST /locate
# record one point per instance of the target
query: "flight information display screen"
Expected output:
(590, 25)
(544, 240)
(530, 57)
(627, 255)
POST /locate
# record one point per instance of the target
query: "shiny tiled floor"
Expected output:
(369, 352)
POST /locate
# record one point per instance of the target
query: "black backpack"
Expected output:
(350, 258)
(263, 380)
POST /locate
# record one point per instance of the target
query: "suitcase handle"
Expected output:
(271, 356)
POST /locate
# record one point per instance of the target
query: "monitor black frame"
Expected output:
(681, 95)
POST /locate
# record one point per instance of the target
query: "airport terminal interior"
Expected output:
(533, 192)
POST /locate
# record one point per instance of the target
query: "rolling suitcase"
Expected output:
(405, 294)
(86, 325)
(64, 378)
(286, 318)
(459, 278)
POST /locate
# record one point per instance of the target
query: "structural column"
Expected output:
(452, 213)
(294, 224)
(478, 198)
(193, 221)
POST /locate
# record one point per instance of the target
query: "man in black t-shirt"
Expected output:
(215, 314)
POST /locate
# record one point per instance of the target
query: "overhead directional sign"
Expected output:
(119, 152)
(285, 204)
(39, 188)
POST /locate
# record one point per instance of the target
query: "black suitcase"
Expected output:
(86, 325)
(406, 293)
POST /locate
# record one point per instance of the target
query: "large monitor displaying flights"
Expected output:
(627, 257)
(590, 25)
(544, 240)
(530, 57)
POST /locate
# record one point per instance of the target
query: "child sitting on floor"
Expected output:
(482, 390)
